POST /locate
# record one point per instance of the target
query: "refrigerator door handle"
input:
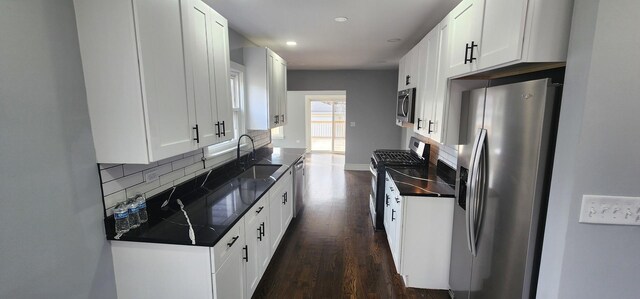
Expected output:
(472, 198)
(469, 194)
(478, 205)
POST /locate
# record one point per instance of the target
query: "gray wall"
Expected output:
(371, 101)
(237, 41)
(597, 153)
(52, 240)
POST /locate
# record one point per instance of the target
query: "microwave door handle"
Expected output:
(404, 101)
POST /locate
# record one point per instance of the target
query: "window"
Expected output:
(236, 79)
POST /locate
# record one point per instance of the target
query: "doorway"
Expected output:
(326, 123)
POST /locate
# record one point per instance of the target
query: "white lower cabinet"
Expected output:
(419, 233)
(229, 280)
(258, 250)
(280, 209)
(230, 269)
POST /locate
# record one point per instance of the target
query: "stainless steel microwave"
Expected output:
(406, 105)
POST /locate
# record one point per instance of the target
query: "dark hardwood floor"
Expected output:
(331, 249)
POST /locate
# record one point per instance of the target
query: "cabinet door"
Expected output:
(282, 90)
(253, 235)
(397, 234)
(465, 22)
(411, 69)
(287, 207)
(169, 115)
(502, 32)
(264, 246)
(275, 215)
(221, 60)
(402, 73)
(428, 55)
(272, 77)
(229, 281)
(440, 105)
(202, 64)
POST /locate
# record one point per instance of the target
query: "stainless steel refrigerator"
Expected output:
(507, 135)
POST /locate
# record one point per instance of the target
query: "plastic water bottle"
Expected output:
(121, 215)
(142, 208)
(134, 217)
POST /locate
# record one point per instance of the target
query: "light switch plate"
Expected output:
(151, 176)
(604, 209)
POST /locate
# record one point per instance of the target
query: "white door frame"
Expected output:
(336, 96)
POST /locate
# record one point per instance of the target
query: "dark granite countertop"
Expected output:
(211, 204)
(431, 181)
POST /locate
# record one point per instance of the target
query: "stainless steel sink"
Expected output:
(258, 172)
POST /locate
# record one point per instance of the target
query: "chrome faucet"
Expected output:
(252, 154)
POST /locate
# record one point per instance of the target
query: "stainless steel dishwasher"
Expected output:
(299, 186)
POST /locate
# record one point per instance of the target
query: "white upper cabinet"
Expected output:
(267, 88)
(465, 28)
(408, 71)
(502, 32)
(440, 131)
(156, 73)
(428, 55)
(209, 48)
(488, 34)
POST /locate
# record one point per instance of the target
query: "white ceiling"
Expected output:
(323, 44)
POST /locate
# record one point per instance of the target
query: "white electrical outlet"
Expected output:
(604, 209)
(151, 175)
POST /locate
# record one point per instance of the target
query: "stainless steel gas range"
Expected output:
(417, 156)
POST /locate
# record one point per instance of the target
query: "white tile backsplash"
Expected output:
(171, 176)
(133, 168)
(182, 163)
(194, 167)
(160, 170)
(111, 200)
(121, 183)
(142, 188)
(112, 173)
(120, 180)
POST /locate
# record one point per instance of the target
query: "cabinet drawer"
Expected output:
(260, 208)
(232, 239)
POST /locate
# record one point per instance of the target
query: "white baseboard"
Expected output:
(361, 167)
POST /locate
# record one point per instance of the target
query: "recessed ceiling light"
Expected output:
(341, 19)
(394, 40)
(291, 43)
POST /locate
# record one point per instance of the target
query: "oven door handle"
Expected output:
(372, 169)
